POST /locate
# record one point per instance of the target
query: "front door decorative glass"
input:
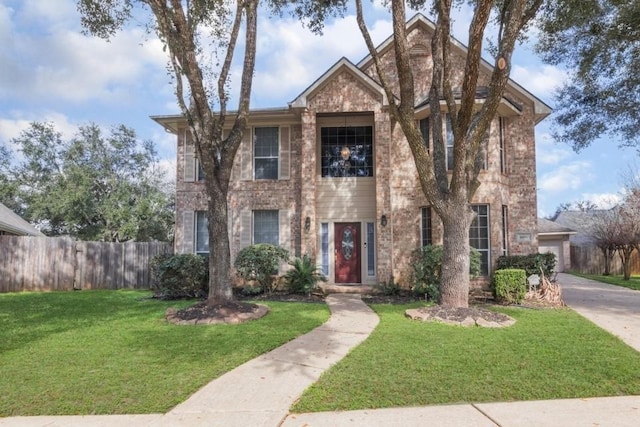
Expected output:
(347, 243)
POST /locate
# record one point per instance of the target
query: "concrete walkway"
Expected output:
(260, 392)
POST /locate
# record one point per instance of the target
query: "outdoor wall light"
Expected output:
(383, 220)
(307, 224)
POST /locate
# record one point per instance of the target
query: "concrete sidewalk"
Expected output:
(260, 392)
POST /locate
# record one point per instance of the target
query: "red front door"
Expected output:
(347, 251)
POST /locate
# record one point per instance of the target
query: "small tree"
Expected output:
(605, 230)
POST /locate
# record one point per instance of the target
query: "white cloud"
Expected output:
(291, 57)
(48, 59)
(548, 152)
(168, 169)
(570, 176)
(6, 24)
(11, 127)
(165, 143)
(541, 80)
(602, 200)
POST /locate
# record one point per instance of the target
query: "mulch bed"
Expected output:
(230, 312)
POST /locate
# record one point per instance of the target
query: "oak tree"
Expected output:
(450, 193)
(94, 186)
(200, 38)
(598, 42)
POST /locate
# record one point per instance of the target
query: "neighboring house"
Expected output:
(582, 223)
(586, 257)
(331, 174)
(555, 238)
(12, 225)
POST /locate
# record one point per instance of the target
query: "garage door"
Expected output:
(555, 247)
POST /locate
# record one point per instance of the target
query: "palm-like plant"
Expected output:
(304, 276)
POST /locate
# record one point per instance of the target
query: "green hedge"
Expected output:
(510, 285)
(180, 276)
(531, 264)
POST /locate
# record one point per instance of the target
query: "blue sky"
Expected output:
(49, 71)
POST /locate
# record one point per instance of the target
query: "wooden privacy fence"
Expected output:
(589, 260)
(61, 263)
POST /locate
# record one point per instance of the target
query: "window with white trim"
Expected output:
(501, 134)
(201, 233)
(324, 227)
(505, 229)
(266, 227)
(479, 236)
(371, 249)
(265, 152)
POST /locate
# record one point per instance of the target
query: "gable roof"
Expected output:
(550, 228)
(343, 64)
(12, 223)
(582, 222)
(540, 108)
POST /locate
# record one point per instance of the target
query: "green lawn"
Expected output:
(108, 352)
(547, 354)
(632, 283)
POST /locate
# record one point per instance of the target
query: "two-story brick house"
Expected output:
(331, 175)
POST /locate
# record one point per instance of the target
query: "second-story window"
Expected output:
(501, 132)
(347, 151)
(265, 152)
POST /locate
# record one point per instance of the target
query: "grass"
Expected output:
(109, 352)
(632, 283)
(547, 354)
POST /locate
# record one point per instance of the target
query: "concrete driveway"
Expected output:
(613, 308)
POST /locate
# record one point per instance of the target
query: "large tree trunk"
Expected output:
(220, 288)
(454, 282)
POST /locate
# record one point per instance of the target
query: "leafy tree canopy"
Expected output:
(598, 40)
(92, 187)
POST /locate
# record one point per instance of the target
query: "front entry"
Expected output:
(347, 252)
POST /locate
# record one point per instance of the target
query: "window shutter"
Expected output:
(246, 158)
(188, 219)
(285, 154)
(284, 229)
(245, 229)
(189, 161)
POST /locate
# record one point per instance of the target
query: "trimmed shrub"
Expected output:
(180, 276)
(510, 285)
(259, 263)
(426, 264)
(303, 278)
(529, 263)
